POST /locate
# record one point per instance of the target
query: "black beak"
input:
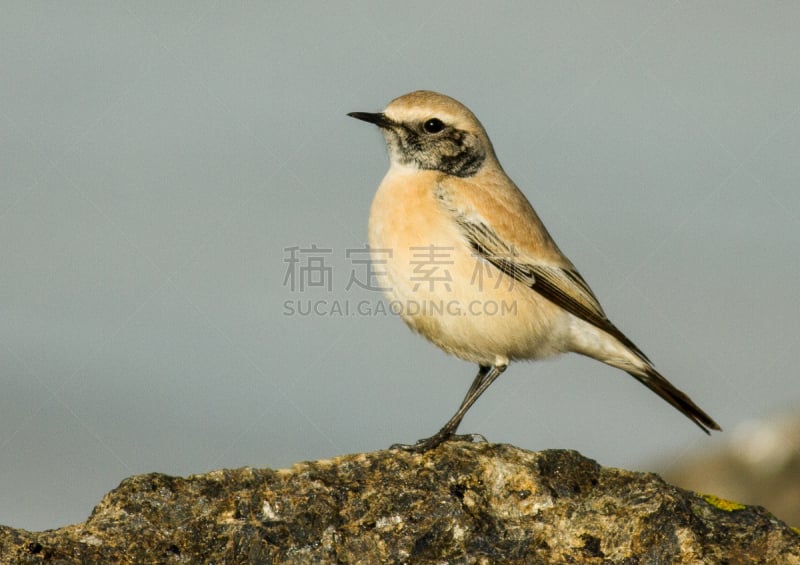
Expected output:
(378, 119)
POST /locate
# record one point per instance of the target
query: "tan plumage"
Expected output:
(446, 195)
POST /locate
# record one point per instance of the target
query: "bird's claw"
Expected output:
(429, 443)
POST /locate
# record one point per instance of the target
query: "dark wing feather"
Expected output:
(563, 287)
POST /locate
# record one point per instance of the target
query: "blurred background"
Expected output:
(183, 201)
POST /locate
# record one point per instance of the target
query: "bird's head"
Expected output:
(430, 131)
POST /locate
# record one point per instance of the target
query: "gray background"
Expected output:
(158, 159)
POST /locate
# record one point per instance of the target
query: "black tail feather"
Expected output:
(653, 380)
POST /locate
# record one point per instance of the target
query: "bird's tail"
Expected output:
(653, 380)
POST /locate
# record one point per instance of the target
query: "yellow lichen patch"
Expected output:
(722, 504)
(796, 530)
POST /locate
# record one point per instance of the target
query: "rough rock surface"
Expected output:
(460, 503)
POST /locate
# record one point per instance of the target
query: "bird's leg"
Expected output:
(485, 377)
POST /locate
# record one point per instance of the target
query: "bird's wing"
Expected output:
(563, 286)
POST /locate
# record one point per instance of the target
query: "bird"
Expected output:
(465, 260)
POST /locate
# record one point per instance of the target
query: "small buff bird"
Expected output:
(465, 260)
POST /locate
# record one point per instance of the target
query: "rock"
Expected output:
(758, 462)
(461, 503)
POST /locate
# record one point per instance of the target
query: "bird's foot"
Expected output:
(429, 443)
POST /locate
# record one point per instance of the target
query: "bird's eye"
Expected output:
(434, 125)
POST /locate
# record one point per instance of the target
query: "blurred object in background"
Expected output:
(759, 464)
